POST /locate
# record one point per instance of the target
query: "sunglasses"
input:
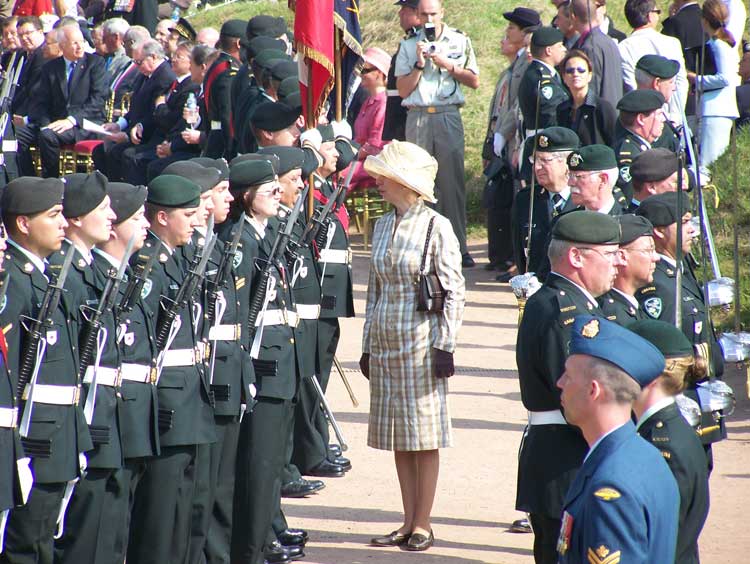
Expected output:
(367, 70)
(579, 70)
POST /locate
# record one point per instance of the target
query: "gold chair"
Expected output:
(366, 205)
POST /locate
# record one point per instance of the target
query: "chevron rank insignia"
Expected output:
(607, 494)
(603, 555)
(653, 307)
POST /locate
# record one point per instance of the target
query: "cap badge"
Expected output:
(543, 141)
(575, 159)
(591, 329)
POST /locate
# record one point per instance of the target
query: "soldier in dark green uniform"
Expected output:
(638, 259)
(583, 255)
(642, 120)
(56, 435)
(137, 400)
(659, 421)
(654, 72)
(653, 172)
(593, 174)
(658, 300)
(87, 535)
(162, 513)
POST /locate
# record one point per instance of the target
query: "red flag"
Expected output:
(313, 35)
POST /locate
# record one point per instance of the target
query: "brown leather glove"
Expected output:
(444, 367)
(364, 364)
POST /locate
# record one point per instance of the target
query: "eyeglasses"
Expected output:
(579, 70)
(544, 160)
(607, 255)
(647, 251)
(271, 192)
(581, 175)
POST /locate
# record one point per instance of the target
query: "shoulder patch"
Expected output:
(607, 494)
(625, 173)
(237, 261)
(146, 290)
(547, 92)
(653, 307)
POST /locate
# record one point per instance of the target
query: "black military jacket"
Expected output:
(627, 147)
(217, 93)
(552, 93)
(617, 308)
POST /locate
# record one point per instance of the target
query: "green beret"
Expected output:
(126, 199)
(546, 36)
(249, 173)
(555, 139)
(592, 157)
(289, 157)
(204, 177)
(658, 66)
(347, 151)
(654, 165)
(219, 164)
(641, 101)
(29, 195)
(634, 226)
(266, 58)
(661, 209)
(289, 85)
(233, 28)
(284, 69)
(262, 42)
(83, 193)
(273, 116)
(273, 159)
(263, 24)
(670, 340)
(171, 191)
(583, 226)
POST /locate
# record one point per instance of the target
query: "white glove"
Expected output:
(498, 144)
(311, 137)
(342, 129)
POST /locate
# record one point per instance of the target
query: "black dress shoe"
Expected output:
(491, 266)
(345, 463)
(393, 539)
(275, 554)
(505, 276)
(467, 261)
(301, 488)
(326, 469)
(418, 542)
(287, 538)
(335, 450)
(520, 526)
(299, 532)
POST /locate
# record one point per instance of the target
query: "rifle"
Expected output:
(257, 301)
(8, 90)
(225, 265)
(32, 356)
(141, 270)
(316, 223)
(89, 332)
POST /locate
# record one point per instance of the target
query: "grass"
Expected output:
(483, 22)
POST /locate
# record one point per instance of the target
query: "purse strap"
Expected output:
(426, 245)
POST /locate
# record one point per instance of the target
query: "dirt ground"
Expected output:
(476, 490)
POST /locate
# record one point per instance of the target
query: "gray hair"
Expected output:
(622, 388)
(137, 34)
(152, 48)
(60, 31)
(612, 175)
(558, 250)
(116, 26)
(642, 78)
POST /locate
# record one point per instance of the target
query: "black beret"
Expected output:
(546, 36)
(184, 29)
(250, 173)
(284, 69)
(273, 116)
(658, 66)
(293, 100)
(670, 340)
(592, 157)
(219, 164)
(634, 226)
(557, 138)
(347, 151)
(262, 42)
(83, 193)
(29, 195)
(289, 85)
(126, 199)
(523, 17)
(263, 24)
(408, 3)
(654, 165)
(171, 191)
(583, 226)
(266, 58)
(273, 159)
(233, 28)
(641, 101)
(204, 177)
(326, 132)
(661, 209)
(313, 161)
(289, 157)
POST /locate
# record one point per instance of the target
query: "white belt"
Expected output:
(10, 146)
(54, 395)
(215, 125)
(135, 372)
(554, 417)
(225, 332)
(104, 376)
(335, 256)
(392, 93)
(280, 317)
(8, 417)
(179, 357)
(308, 311)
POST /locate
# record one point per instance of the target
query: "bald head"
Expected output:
(207, 36)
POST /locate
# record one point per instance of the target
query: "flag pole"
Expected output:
(309, 119)
(337, 73)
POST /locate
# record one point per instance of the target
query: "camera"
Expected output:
(429, 32)
(429, 50)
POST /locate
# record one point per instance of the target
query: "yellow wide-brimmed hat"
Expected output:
(408, 164)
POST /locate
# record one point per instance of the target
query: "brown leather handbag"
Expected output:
(430, 292)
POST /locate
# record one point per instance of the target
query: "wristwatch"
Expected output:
(416, 66)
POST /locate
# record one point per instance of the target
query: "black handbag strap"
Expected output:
(426, 245)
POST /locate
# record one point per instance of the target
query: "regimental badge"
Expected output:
(575, 159)
(607, 494)
(129, 339)
(237, 260)
(591, 329)
(602, 555)
(302, 273)
(51, 338)
(653, 307)
(81, 263)
(547, 92)
(163, 257)
(543, 141)
(28, 267)
(625, 173)
(698, 327)
(3, 303)
(146, 290)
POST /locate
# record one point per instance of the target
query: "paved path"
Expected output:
(476, 490)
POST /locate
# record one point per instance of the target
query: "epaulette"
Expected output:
(567, 307)
(459, 31)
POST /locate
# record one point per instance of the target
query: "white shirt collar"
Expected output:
(551, 68)
(631, 299)
(658, 406)
(35, 260)
(565, 193)
(85, 253)
(670, 260)
(112, 260)
(182, 77)
(258, 226)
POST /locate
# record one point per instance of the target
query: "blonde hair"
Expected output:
(681, 371)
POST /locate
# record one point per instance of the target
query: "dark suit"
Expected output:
(668, 431)
(29, 82)
(743, 104)
(617, 308)
(606, 63)
(83, 97)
